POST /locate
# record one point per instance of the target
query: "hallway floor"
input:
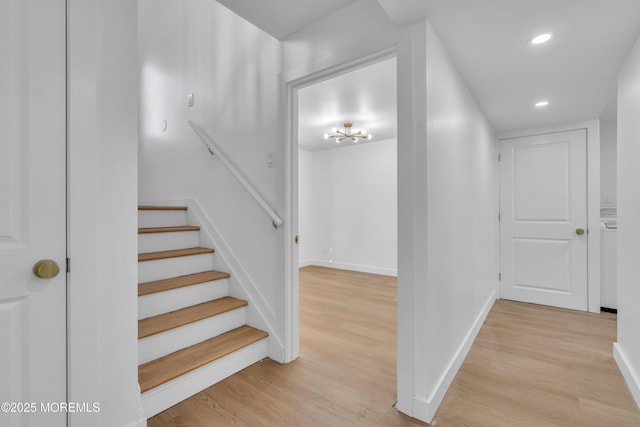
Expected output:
(529, 366)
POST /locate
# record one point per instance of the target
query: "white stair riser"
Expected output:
(164, 302)
(148, 219)
(155, 242)
(167, 342)
(166, 395)
(172, 267)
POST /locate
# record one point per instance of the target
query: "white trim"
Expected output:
(306, 263)
(425, 408)
(630, 375)
(352, 267)
(291, 288)
(593, 197)
(140, 423)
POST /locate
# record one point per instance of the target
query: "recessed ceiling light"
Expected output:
(542, 38)
(542, 104)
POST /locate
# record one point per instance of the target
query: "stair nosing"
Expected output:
(174, 229)
(174, 253)
(181, 282)
(190, 314)
(253, 336)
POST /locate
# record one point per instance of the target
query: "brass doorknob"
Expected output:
(46, 269)
(579, 231)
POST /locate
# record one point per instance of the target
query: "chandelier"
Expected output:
(353, 134)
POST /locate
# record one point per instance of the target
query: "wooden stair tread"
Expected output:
(164, 369)
(168, 229)
(164, 322)
(162, 208)
(150, 256)
(179, 282)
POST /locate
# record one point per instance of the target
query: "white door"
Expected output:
(32, 211)
(543, 208)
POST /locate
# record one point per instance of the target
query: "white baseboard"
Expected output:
(139, 423)
(352, 267)
(425, 409)
(306, 263)
(629, 374)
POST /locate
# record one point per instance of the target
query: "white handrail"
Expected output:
(215, 150)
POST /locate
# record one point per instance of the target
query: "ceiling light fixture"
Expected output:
(353, 134)
(542, 38)
(542, 104)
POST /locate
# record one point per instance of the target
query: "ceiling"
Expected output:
(281, 18)
(576, 71)
(365, 97)
(488, 41)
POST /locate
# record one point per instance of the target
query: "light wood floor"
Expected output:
(530, 366)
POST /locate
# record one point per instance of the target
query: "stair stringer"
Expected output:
(259, 314)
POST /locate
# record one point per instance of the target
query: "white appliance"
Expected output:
(608, 258)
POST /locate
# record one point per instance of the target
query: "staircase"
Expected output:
(191, 333)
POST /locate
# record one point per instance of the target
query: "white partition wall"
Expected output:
(627, 349)
(348, 206)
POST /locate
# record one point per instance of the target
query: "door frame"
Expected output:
(292, 320)
(592, 128)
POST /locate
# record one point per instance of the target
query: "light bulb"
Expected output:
(542, 38)
(334, 130)
(326, 136)
(363, 132)
(355, 139)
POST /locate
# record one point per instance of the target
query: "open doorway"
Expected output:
(347, 186)
(347, 222)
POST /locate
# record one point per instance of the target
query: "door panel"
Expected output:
(542, 264)
(32, 208)
(541, 193)
(543, 200)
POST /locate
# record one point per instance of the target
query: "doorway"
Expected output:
(348, 175)
(549, 209)
(347, 186)
(543, 205)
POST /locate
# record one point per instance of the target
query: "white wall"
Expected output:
(309, 246)
(102, 197)
(233, 70)
(608, 162)
(348, 209)
(462, 226)
(627, 349)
